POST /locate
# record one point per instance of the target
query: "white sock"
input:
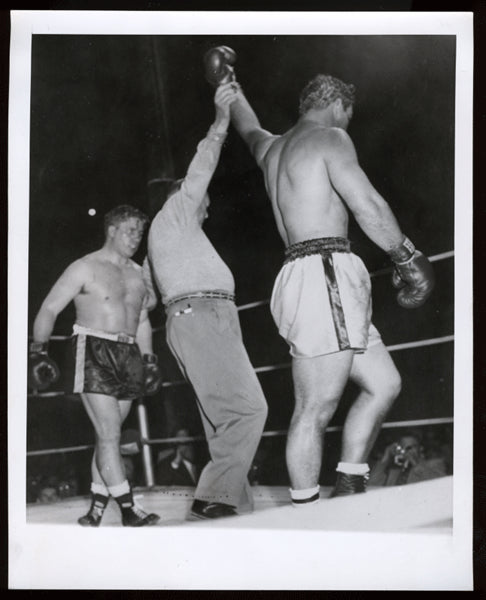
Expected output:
(304, 497)
(99, 488)
(353, 468)
(120, 489)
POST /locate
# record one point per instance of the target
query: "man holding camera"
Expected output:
(405, 462)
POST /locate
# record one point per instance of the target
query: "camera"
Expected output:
(399, 456)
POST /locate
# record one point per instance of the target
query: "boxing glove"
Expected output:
(152, 374)
(218, 65)
(43, 371)
(413, 275)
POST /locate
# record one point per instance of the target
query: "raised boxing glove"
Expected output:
(43, 371)
(218, 65)
(152, 374)
(413, 275)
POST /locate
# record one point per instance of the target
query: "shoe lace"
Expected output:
(97, 509)
(137, 508)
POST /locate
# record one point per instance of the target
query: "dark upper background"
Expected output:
(111, 113)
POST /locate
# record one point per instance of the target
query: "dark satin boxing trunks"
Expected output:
(107, 363)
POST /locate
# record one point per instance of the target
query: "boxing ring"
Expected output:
(420, 506)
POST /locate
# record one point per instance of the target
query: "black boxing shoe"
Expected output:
(212, 510)
(136, 517)
(347, 484)
(93, 517)
(132, 514)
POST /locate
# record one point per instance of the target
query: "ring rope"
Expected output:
(277, 433)
(263, 369)
(377, 273)
(286, 365)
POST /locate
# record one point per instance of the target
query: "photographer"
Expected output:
(404, 462)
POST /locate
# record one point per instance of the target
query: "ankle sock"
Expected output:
(99, 489)
(304, 497)
(353, 468)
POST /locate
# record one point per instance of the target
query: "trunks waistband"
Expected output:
(114, 337)
(201, 295)
(323, 246)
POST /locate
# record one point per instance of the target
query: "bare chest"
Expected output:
(112, 284)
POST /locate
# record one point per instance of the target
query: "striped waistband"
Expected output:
(323, 246)
(114, 337)
(201, 295)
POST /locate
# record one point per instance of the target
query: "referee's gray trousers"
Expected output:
(205, 337)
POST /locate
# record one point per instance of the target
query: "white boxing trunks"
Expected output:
(321, 299)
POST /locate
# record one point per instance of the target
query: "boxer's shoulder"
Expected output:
(80, 266)
(335, 144)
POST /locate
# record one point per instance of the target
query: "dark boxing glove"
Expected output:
(43, 371)
(218, 65)
(153, 376)
(413, 275)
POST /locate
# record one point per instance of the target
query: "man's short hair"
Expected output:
(413, 433)
(122, 213)
(322, 90)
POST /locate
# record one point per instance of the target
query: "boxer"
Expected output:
(321, 301)
(112, 351)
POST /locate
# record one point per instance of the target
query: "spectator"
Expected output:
(404, 461)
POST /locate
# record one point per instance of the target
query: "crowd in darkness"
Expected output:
(54, 477)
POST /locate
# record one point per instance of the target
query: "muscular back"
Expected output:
(304, 202)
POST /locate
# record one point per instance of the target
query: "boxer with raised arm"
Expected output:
(321, 301)
(112, 351)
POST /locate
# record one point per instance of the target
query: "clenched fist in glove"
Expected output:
(153, 376)
(43, 371)
(413, 275)
(218, 65)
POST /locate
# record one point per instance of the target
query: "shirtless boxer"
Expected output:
(112, 350)
(203, 329)
(321, 301)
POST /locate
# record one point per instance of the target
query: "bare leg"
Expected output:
(125, 406)
(375, 373)
(107, 415)
(318, 385)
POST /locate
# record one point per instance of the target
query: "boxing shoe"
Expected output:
(136, 517)
(93, 517)
(212, 510)
(347, 484)
(132, 513)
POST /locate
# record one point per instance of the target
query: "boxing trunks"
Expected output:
(321, 300)
(107, 363)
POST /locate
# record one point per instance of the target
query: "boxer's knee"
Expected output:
(390, 387)
(108, 435)
(315, 414)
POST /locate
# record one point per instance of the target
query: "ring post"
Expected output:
(144, 436)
